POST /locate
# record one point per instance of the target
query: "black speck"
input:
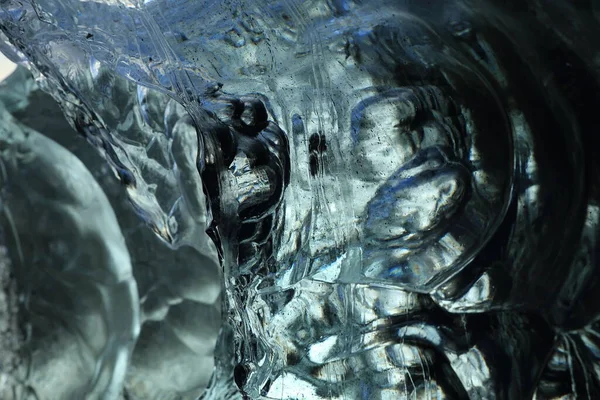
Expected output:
(89, 36)
(314, 164)
(265, 388)
(126, 177)
(317, 143)
(292, 359)
(240, 375)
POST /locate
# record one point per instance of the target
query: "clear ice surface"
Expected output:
(180, 306)
(74, 270)
(363, 199)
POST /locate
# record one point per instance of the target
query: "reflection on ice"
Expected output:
(400, 194)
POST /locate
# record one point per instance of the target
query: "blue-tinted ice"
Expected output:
(401, 195)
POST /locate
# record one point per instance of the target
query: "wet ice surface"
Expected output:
(402, 194)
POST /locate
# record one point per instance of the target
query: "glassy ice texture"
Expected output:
(79, 303)
(179, 290)
(403, 194)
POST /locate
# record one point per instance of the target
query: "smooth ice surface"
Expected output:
(178, 290)
(403, 195)
(79, 300)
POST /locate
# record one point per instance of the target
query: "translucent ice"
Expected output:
(403, 194)
(79, 305)
(179, 289)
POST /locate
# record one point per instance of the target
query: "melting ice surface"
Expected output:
(402, 194)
